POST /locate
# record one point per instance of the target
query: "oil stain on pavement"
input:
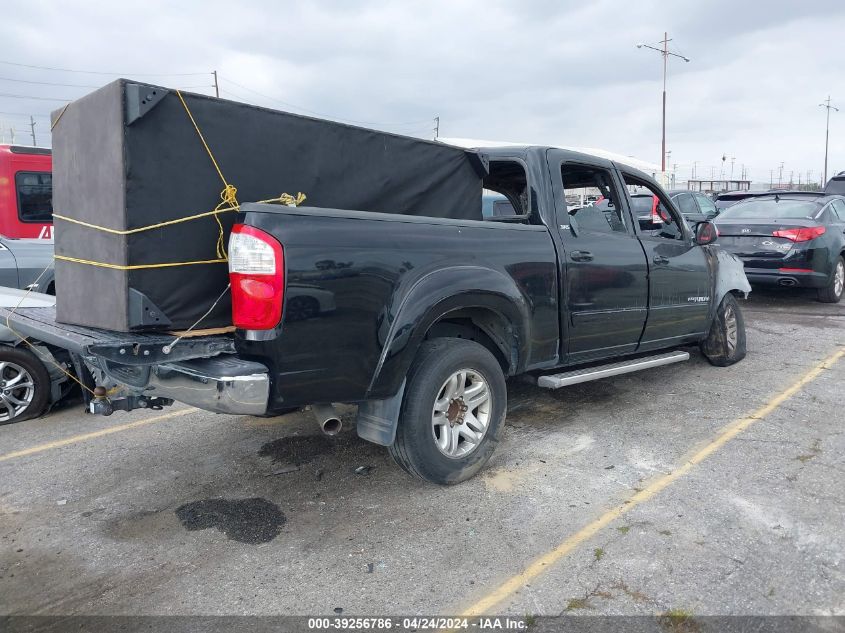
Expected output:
(251, 521)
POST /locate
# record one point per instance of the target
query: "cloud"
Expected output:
(542, 71)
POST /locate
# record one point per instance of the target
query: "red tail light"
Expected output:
(257, 275)
(800, 235)
(655, 214)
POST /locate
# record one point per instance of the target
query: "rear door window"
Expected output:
(708, 207)
(837, 207)
(686, 204)
(35, 196)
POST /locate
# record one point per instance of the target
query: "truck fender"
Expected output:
(435, 295)
(728, 276)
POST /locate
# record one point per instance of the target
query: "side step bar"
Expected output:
(556, 381)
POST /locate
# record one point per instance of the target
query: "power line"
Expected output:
(11, 96)
(48, 83)
(26, 114)
(99, 72)
(319, 114)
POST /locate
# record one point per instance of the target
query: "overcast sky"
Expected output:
(546, 72)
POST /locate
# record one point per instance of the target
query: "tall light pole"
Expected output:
(826, 105)
(665, 52)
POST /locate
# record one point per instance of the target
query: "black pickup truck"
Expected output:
(419, 321)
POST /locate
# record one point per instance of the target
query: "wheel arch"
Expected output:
(478, 303)
(728, 277)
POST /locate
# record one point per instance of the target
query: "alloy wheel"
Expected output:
(731, 329)
(17, 389)
(461, 413)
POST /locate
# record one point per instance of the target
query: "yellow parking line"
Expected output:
(542, 563)
(40, 448)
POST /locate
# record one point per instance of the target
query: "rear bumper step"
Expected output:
(573, 377)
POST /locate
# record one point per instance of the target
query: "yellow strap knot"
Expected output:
(229, 196)
(292, 201)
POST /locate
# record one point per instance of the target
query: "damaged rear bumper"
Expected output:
(221, 384)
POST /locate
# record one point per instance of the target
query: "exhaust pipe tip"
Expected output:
(332, 426)
(327, 418)
(788, 282)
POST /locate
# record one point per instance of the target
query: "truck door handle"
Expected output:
(660, 259)
(581, 256)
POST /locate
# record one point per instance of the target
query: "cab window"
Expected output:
(592, 201)
(661, 220)
(506, 193)
(35, 196)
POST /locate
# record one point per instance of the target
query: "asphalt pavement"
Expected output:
(686, 489)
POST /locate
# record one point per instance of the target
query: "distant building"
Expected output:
(714, 186)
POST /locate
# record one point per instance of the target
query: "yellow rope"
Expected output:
(226, 185)
(141, 229)
(25, 340)
(76, 260)
(58, 118)
(286, 199)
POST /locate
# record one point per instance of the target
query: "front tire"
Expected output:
(832, 293)
(24, 385)
(725, 343)
(452, 412)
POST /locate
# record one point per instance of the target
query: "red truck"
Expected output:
(26, 192)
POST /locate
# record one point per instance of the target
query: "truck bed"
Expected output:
(129, 348)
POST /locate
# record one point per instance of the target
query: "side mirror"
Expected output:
(705, 233)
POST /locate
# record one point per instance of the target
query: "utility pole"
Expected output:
(32, 127)
(826, 105)
(722, 171)
(780, 174)
(694, 166)
(733, 160)
(436, 127)
(216, 86)
(665, 52)
(12, 134)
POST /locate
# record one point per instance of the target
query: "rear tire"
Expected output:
(832, 292)
(24, 385)
(452, 411)
(725, 343)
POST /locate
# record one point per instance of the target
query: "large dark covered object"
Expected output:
(128, 156)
